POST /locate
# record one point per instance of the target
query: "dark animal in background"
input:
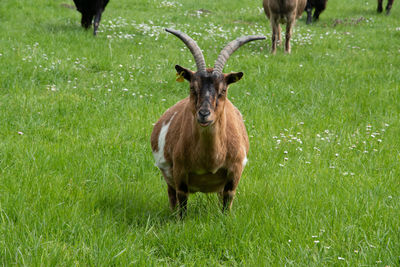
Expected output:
(388, 7)
(319, 6)
(91, 9)
(281, 11)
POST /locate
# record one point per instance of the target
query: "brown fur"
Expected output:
(281, 11)
(203, 159)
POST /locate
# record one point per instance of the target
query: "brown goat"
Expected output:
(281, 11)
(200, 144)
(388, 6)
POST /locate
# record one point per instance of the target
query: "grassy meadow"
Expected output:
(78, 185)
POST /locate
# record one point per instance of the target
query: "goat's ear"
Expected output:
(185, 73)
(233, 77)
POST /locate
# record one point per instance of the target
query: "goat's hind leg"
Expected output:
(309, 12)
(289, 27)
(316, 14)
(380, 8)
(389, 6)
(275, 33)
(279, 35)
(86, 20)
(97, 19)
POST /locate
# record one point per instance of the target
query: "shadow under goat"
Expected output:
(388, 6)
(319, 6)
(91, 9)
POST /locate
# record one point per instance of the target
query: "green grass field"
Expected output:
(78, 185)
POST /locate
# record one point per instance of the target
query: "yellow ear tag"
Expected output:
(179, 77)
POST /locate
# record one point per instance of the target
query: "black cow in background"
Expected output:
(388, 7)
(90, 9)
(319, 6)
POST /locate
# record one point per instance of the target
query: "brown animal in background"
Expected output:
(200, 144)
(388, 7)
(281, 11)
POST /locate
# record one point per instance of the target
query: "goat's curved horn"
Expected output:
(194, 48)
(230, 48)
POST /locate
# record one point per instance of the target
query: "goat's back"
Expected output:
(284, 8)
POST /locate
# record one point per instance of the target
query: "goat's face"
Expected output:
(208, 92)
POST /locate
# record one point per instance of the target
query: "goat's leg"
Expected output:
(279, 35)
(86, 20)
(289, 26)
(229, 191)
(380, 8)
(389, 6)
(97, 19)
(309, 12)
(318, 9)
(316, 14)
(172, 197)
(182, 189)
(275, 33)
(228, 195)
(182, 195)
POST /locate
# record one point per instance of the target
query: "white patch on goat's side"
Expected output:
(159, 157)
(244, 162)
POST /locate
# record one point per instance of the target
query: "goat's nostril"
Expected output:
(204, 112)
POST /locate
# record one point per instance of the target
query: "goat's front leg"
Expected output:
(309, 12)
(229, 191)
(172, 197)
(289, 27)
(97, 19)
(182, 189)
(279, 35)
(316, 14)
(275, 33)
(86, 20)
(380, 8)
(389, 6)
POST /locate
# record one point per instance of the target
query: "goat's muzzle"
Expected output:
(203, 117)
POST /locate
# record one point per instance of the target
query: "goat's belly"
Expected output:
(207, 182)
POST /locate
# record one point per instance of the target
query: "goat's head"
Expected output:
(208, 87)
